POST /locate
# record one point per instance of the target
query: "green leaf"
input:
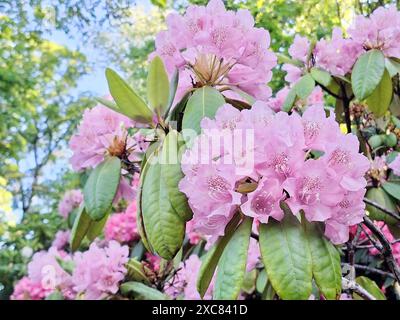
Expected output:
(390, 140)
(375, 141)
(232, 266)
(392, 188)
(135, 271)
(173, 86)
(261, 281)
(109, 104)
(211, 259)
(80, 228)
(164, 228)
(289, 101)
(171, 173)
(379, 196)
(392, 66)
(367, 73)
(101, 187)
(141, 292)
(128, 102)
(159, 3)
(379, 101)
(287, 258)
(325, 262)
(139, 212)
(285, 59)
(203, 103)
(72, 217)
(321, 76)
(157, 86)
(96, 228)
(304, 86)
(371, 287)
(56, 295)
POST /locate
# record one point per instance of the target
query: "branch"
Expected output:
(386, 248)
(385, 210)
(355, 287)
(374, 270)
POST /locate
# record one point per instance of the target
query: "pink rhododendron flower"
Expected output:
(61, 239)
(329, 189)
(122, 226)
(210, 45)
(46, 270)
(26, 289)
(345, 163)
(338, 55)
(153, 260)
(71, 200)
(194, 236)
(98, 271)
(101, 132)
(299, 48)
(348, 212)
(312, 190)
(184, 281)
(318, 129)
(381, 30)
(395, 166)
(264, 201)
(104, 132)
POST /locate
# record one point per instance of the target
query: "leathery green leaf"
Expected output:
(164, 228)
(203, 103)
(141, 292)
(171, 173)
(367, 73)
(379, 101)
(157, 86)
(128, 102)
(101, 187)
(232, 266)
(80, 228)
(287, 258)
(325, 262)
(211, 259)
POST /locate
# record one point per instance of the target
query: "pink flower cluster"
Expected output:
(122, 226)
(282, 164)
(337, 55)
(71, 200)
(381, 31)
(105, 132)
(45, 270)
(26, 289)
(61, 239)
(211, 44)
(96, 273)
(183, 284)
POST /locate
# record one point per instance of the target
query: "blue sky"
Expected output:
(94, 82)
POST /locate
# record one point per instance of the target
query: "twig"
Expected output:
(355, 287)
(374, 270)
(386, 248)
(383, 209)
